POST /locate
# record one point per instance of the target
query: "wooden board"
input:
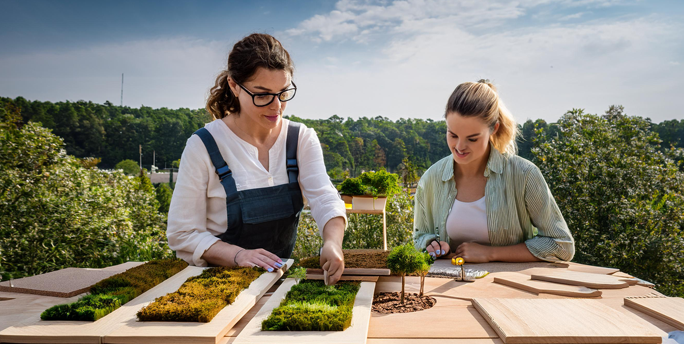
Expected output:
(345, 278)
(34, 330)
(667, 309)
(63, 283)
(562, 321)
(589, 280)
(448, 318)
(151, 332)
(356, 333)
(590, 268)
(521, 281)
(355, 271)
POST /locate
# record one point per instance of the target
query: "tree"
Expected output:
(55, 213)
(128, 166)
(163, 193)
(403, 260)
(426, 262)
(621, 195)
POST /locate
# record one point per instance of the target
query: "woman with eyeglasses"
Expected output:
(243, 177)
(483, 202)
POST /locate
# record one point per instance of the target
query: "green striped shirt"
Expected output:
(520, 207)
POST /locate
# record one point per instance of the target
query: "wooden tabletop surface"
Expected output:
(452, 320)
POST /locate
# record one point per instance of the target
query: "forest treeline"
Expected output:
(114, 133)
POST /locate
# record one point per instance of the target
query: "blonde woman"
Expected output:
(483, 202)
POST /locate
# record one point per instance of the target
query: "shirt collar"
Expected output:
(494, 164)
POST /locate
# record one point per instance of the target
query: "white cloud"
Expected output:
(429, 47)
(159, 73)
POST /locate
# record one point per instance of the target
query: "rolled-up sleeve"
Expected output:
(319, 191)
(554, 241)
(422, 221)
(186, 230)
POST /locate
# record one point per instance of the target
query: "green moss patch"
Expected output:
(313, 306)
(200, 298)
(109, 294)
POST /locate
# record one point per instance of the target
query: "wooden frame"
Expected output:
(667, 309)
(355, 334)
(151, 332)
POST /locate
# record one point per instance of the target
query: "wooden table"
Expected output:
(452, 320)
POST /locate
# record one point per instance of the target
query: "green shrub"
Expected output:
(128, 166)
(200, 298)
(381, 183)
(163, 194)
(113, 292)
(621, 195)
(363, 231)
(54, 213)
(405, 260)
(313, 306)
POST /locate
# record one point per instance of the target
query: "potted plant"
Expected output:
(370, 190)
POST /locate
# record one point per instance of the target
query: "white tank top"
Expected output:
(467, 222)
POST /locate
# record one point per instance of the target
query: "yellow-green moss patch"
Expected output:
(200, 298)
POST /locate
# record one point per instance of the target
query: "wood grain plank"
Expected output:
(562, 321)
(522, 281)
(156, 332)
(667, 309)
(355, 334)
(589, 280)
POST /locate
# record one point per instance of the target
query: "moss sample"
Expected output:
(313, 306)
(366, 259)
(200, 298)
(109, 294)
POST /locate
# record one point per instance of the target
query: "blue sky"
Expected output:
(356, 58)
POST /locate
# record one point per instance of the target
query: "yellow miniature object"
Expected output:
(457, 261)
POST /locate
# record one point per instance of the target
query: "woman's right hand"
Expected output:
(438, 248)
(258, 257)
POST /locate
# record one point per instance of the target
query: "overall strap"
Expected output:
(291, 151)
(224, 173)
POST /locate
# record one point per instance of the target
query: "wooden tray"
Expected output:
(121, 326)
(35, 330)
(523, 282)
(354, 271)
(153, 332)
(585, 279)
(563, 321)
(666, 309)
(64, 283)
(356, 333)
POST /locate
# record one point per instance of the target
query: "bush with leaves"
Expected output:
(163, 193)
(405, 260)
(128, 166)
(620, 193)
(363, 231)
(54, 213)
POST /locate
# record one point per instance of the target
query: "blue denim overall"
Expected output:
(265, 217)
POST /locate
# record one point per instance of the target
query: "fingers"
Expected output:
(434, 249)
(261, 258)
(271, 259)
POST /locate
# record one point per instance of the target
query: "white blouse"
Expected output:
(467, 222)
(197, 213)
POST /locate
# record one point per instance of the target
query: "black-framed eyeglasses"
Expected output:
(263, 99)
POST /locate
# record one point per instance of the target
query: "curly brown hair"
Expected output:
(254, 51)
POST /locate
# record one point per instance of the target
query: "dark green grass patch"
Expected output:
(313, 306)
(109, 294)
(200, 298)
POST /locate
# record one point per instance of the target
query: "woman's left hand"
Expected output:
(473, 253)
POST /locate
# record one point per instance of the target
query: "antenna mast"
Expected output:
(121, 89)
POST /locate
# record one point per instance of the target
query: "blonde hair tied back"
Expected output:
(480, 99)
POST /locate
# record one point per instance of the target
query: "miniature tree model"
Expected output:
(425, 264)
(404, 260)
